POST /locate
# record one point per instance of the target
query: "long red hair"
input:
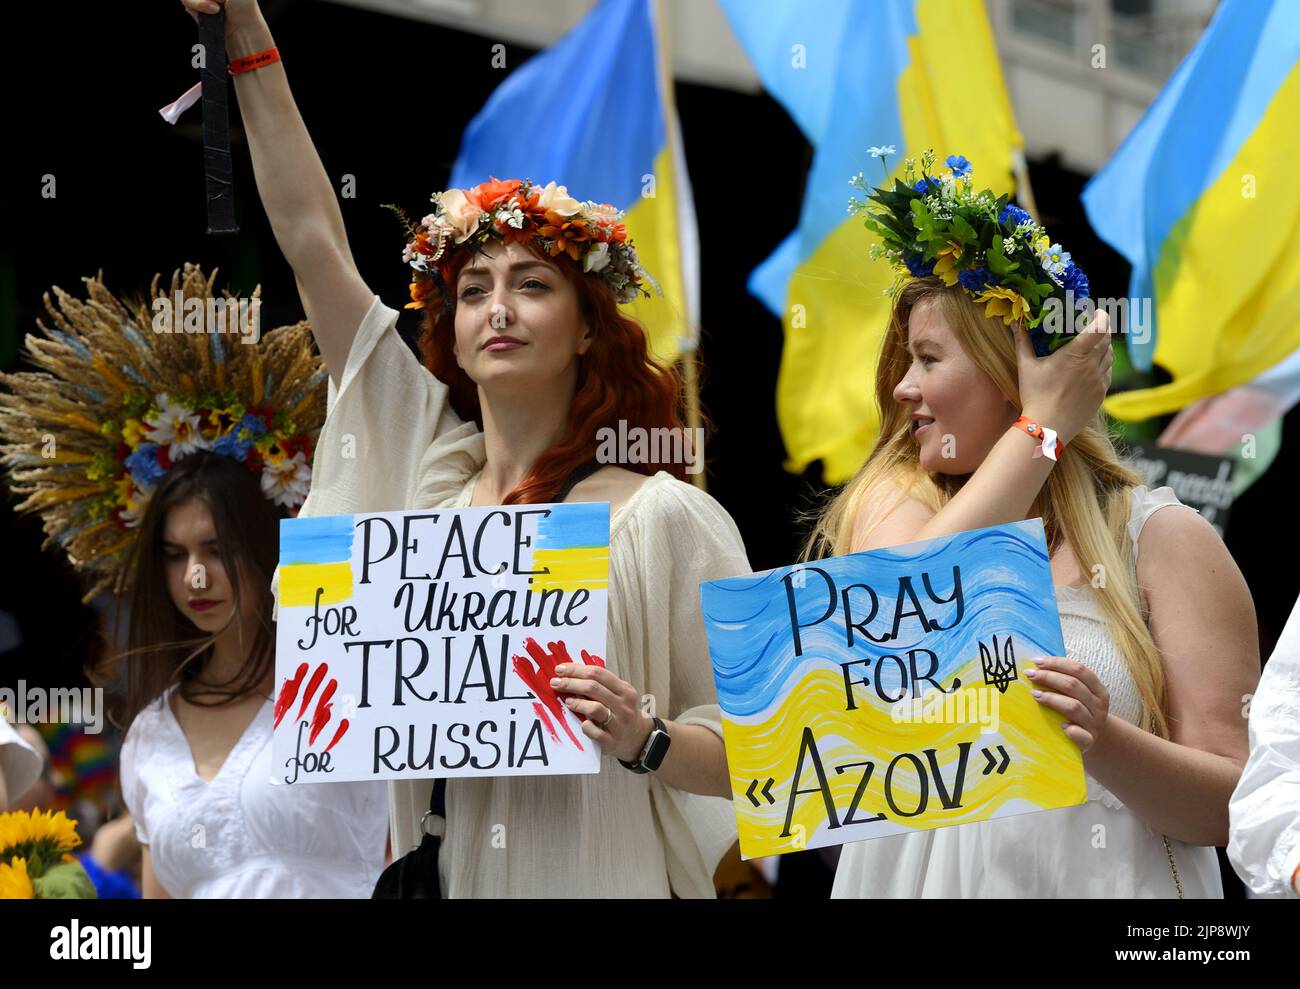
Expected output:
(618, 379)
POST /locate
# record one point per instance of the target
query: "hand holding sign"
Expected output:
(880, 692)
(1069, 687)
(611, 708)
(426, 643)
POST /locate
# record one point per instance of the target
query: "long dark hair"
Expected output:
(162, 648)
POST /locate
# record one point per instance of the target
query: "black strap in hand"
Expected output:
(218, 174)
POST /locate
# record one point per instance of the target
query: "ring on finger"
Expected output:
(608, 719)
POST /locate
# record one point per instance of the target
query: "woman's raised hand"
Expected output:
(1064, 390)
(239, 13)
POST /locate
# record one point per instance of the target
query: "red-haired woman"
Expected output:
(526, 358)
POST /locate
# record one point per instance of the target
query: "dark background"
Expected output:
(386, 100)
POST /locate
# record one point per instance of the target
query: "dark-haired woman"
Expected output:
(527, 359)
(196, 764)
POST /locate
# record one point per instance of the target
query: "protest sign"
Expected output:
(884, 692)
(422, 643)
(1202, 482)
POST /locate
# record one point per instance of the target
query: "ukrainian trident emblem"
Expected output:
(999, 666)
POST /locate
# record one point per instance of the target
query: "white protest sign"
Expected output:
(422, 643)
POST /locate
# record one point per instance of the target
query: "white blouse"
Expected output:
(1264, 813)
(237, 836)
(391, 441)
(1097, 849)
(21, 763)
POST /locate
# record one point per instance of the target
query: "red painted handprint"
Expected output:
(538, 680)
(321, 715)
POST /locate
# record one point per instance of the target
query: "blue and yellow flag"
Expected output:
(595, 113)
(1203, 200)
(914, 74)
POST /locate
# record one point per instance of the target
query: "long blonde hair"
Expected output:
(1085, 502)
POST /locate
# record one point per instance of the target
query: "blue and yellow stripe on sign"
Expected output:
(914, 74)
(1202, 199)
(572, 544)
(594, 112)
(769, 694)
(316, 554)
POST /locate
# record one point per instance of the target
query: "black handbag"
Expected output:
(414, 876)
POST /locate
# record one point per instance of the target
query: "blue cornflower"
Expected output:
(1038, 337)
(143, 465)
(960, 166)
(1074, 280)
(236, 443)
(253, 423)
(924, 185)
(917, 265)
(1014, 216)
(974, 279)
(232, 446)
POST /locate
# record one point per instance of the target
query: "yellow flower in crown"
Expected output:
(15, 884)
(133, 433)
(1004, 302)
(945, 265)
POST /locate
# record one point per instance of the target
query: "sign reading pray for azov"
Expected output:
(884, 692)
(422, 643)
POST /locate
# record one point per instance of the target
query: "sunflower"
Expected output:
(1000, 301)
(42, 834)
(945, 260)
(15, 884)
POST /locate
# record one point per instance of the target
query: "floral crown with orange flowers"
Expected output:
(941, 226)
(517, 211)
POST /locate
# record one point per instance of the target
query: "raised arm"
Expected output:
(1063, 391)
(296, 192)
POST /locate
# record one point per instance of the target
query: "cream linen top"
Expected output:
(391, 441)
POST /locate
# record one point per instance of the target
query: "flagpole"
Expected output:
(687, 357)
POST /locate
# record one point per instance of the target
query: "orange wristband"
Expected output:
(1049, 444)
(255, 61)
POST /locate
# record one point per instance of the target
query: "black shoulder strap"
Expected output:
(579, 473)
(438, 799)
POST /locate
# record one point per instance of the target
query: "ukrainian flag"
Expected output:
(595, 113)
(1203, 200)
(914, 74)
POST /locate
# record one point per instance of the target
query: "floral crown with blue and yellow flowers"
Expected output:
(990, 247)
(126, 388)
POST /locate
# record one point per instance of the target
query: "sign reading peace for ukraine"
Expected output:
(422, 643)
(884, 692)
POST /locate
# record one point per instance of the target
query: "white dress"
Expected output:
(1098, 849)
(392, 441)
(1264, 813)
(238, 837)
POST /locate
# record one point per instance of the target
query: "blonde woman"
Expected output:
(1159, 628)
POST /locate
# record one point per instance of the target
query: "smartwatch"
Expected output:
(653, 752)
